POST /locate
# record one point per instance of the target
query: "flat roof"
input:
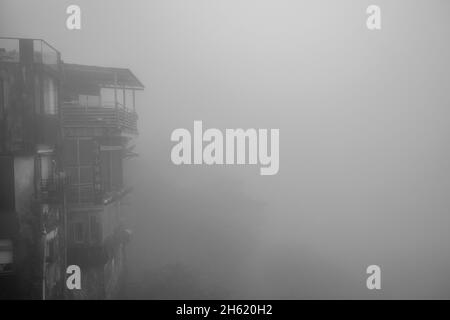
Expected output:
(103, 76)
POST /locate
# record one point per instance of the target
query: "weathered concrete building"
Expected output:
(32, 214)
(65, 131)
(99, 121)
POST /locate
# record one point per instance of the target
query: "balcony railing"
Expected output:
(83, 194)
(75, 115)
(43, 53)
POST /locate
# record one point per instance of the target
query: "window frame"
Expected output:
(77, 167)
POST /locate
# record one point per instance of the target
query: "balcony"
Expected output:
(15, 50)
(76, 116)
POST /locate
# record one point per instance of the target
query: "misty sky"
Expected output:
(364, 130)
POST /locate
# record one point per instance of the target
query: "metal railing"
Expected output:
(81, 194)
(43, 53)
(75, 115)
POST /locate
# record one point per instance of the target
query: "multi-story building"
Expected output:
(65, 131)
(32, 214)
(99, 121)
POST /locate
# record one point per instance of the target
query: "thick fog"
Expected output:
(364, 125)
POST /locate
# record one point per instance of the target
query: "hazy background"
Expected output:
(364, 135)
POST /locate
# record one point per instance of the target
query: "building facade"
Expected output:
(99, 123)
(65, 131)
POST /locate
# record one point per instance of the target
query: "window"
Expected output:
(78, 232)
(88, 100)
(83, 100)
(50, 95)
(6, 256)
(125, 97)
(79, 155)
(107, 97)
(46, 167)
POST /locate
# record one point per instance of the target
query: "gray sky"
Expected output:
(364, 126)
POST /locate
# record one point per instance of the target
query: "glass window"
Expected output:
(83, 100)
(107, 97)
(9, 50)
(88, 100)
(93, 101)
(50, 95)
(49, 55)
(79, 158)
(46, 167)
